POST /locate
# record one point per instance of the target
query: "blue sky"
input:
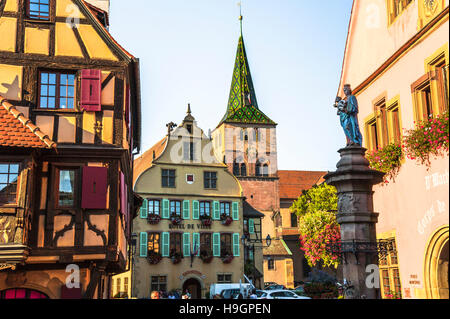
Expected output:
(187, 50)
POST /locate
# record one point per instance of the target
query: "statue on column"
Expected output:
(348, 114)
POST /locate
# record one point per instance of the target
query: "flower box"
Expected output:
(206, 220)
(227, 259)
(226, 220)
(153, 219)
(176, 220)
(176, 258)
(154, 258)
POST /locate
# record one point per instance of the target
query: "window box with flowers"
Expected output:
(227, 259)
(176, 219)
(206, 256)
(153, 219)
(387, 160)
(206, 220)
(430, 137)
(176, 258)
(226, 219)
(154, 257)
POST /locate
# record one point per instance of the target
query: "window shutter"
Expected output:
(250, 255)
(235, 209)
(144, 209)
(165, 244)
(186, 244)
(165, 209)
(216, 244)
(196, 243)
(251, 226)
(94, 187)
(186, 210)
(216, 210)
(143, 245)
(236, 244)
(195, 209)
(91, 90)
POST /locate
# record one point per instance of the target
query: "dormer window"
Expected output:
(189, 128)
(39, 9)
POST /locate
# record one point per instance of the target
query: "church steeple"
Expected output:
(242, 104)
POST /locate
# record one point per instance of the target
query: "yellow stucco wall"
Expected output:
(65, 42)
(8, 34)
(11, 81)
(37, 41)
(96, 47)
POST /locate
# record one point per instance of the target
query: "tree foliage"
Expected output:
(317, 224)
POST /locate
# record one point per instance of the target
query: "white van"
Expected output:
(216, 289)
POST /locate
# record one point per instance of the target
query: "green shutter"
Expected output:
(216, 244)
(186, 244)
(236, 244)
(144, 209)
(186, 210)
(250, 255)
(216, 210)
(165, 244)
(195, 209)
(143, 245)
(196, 243)
(251, 226)
(235, 211)
(165, 209)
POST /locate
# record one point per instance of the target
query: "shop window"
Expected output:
(38, 9)
(9, 174)
(158, 283)
(56, 90)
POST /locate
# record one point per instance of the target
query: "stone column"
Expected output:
(354, 180)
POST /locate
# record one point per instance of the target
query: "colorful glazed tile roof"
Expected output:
(242, 103)
(292, 183)
(16, 130)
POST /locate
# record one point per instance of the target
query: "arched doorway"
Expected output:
(436, 265)
(20, 293)
(194, 287)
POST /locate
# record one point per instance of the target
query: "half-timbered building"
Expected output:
(69, 127)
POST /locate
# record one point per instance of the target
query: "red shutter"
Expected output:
(70, 293)
(95, 187)
(91, 89)
(124, 199)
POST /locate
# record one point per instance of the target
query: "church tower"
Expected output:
(246, 140)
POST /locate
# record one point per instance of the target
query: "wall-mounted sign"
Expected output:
(190, 179)
(189, 226)
(414, 281)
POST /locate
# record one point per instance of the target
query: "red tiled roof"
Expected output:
(16, 130)
(145, 161)
(292, 183)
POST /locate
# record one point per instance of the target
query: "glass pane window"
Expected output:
(158, 283)
(66, 190)
(9, 174)
(225, 209)
(205, 244)
(175, 243)
(39, 9)
(175, 208)
(168, 177)
(153, 207)
(225, 245)
(210, 180)
(205, 209)
(57, 90)
(154, 243)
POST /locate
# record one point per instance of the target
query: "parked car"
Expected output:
(271, 283)
(281, 294)
(230, 293)
(216, 289)
(275, 287)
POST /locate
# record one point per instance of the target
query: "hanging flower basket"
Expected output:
(206, 257)
(176, 258)
(153, 219)
(226, 220)
(176, 220)
(206, 220)
(227, 259)
(154, 258)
